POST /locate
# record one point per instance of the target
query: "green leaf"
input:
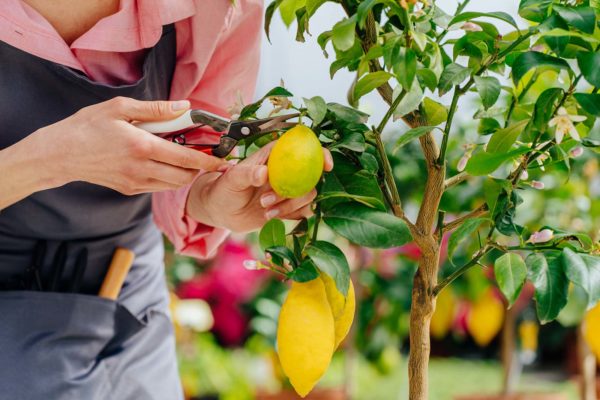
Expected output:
(588, 65)
(411, 135)
(330, 260)
(488, 88)
(467, 16)
(533, 59)
(369, 162)
(269, 17)
(551, 284)
(272, 234)
(306, 271)
(354, 141)
(370, 82)
(484, 163)
(405, 67)
(454, 74)
(367, 227)
(582, 18)
(410, 102)
(288, 9)
(461, 233)
(342, 34)
(584, 271)
(251, 109)
(511, 272)
(435, 112)
(313, 5)
(575, 309)
(503, 139)
(363, 10)
(368, 201)
(347, 114)
(282, 252)
(544, 108)
(488, 125)
(590, 102)
(534, 10)
(317, 109)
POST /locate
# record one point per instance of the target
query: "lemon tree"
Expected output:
(537, 90)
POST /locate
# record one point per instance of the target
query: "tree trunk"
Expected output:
(510, 361)
(422, 308)
(587, 364)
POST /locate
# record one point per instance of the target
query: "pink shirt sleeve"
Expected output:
(213, 83)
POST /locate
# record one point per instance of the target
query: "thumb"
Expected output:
(136, 110)
(244, 176)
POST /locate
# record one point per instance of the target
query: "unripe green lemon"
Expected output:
(305, 335)
(296, 162)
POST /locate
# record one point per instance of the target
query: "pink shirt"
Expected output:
(218, 44)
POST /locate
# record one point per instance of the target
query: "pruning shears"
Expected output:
(233, 130)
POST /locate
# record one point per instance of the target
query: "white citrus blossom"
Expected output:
(543, 236)
(564, 124)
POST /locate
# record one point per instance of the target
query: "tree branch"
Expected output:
(456, 179)
(478, 212)
(450, 278)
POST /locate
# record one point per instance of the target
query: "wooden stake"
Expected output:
(117, 272)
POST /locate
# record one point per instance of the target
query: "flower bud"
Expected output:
(537, 185)
(576, 152)
(471, 27)
(462, 163)
(543, 236)
(524, 175)
(251, 265)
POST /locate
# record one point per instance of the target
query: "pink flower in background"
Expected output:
(225, 286)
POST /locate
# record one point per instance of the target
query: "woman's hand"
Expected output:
(241, 200)
(99, 144)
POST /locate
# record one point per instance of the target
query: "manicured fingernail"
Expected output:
(272, 213)
(180, 105)
(267, 200)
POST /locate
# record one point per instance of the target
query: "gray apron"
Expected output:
(57, 345)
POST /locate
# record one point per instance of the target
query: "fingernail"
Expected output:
(267, 200)
(180, 105)
(272, 213)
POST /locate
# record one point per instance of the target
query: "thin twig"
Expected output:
(456, 179)
(478, 212)
(450, 278)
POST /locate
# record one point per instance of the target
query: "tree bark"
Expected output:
(587, 364)
(510, 363)
(422, 308)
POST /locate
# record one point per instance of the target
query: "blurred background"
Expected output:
(226, 316)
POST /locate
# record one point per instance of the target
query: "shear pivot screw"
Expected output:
(245, 131)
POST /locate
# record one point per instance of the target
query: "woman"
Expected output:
(77, 176)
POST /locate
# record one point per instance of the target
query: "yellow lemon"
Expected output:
(485, 318)
(442, 318)
(296, 162)
(342, 308)
(305, 335)
(592, 330)
(528, 332)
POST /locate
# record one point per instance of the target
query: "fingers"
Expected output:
(174, 154)
(290, 206)
(170, 174)
(135, 110)
(243, 176)
(304, 212)
(327, 160)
